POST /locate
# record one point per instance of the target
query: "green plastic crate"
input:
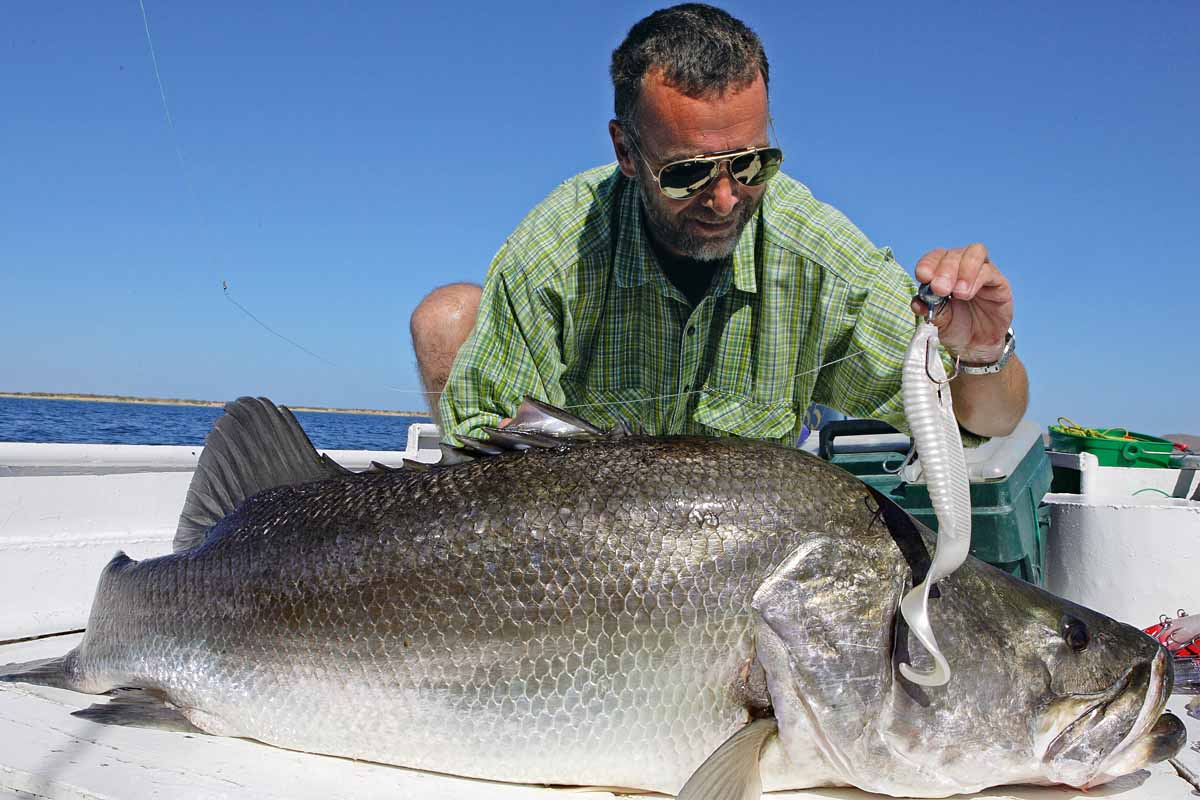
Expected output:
(1009, 524)
(1111, 449)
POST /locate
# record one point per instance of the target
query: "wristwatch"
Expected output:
(1010, 347)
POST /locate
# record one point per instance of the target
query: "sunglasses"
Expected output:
(679, 180)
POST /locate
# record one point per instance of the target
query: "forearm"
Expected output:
(992, 405)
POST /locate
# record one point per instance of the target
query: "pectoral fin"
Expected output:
(731, 772)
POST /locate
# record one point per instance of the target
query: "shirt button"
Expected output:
(691, 329)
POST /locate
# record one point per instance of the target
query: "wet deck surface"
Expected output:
(46, 753)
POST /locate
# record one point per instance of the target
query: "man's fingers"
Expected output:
(973, 321)
(945, 276)
(928, 264)
(961, 272)
(973, 270)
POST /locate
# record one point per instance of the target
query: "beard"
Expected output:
(672, 232)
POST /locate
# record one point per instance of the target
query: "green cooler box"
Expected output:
(1009, 476)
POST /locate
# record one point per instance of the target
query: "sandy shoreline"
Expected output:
(169, 401)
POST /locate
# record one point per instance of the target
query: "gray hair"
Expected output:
(700, 50)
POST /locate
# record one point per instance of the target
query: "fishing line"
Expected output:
(162, 94)
(272, 331)
(690, 392)
(300, 347)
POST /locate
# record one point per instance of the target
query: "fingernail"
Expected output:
(961, 287)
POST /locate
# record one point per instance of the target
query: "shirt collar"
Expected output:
(743, 256)
(634, 260)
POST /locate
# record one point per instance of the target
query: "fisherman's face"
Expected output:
(671, 127)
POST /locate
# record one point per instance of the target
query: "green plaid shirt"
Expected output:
(577, 312)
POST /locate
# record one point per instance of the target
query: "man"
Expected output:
(694, 288)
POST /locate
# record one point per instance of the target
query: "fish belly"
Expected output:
(586, 683)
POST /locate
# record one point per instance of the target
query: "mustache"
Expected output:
(737, 215)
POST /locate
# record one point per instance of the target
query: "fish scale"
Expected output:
(560, 636)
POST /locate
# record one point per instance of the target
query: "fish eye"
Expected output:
(1075, 634)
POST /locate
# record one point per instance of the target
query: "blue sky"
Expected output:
(341, 159)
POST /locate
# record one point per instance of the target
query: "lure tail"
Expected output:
(930, 412)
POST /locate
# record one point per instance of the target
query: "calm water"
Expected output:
(23, 420)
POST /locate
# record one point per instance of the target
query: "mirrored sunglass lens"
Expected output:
(686, 177)
(755, 169)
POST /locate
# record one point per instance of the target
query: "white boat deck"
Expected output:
(47, 753)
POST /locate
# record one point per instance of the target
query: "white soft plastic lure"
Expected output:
(927, 404)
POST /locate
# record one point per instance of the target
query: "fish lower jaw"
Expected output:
(1137, 747)
(1164, 740)
(1128, 756)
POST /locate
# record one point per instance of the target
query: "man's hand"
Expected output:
(974, 320)
(972, 324)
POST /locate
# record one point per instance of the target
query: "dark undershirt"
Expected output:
(691, 277)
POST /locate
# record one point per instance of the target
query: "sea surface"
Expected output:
(30, 420)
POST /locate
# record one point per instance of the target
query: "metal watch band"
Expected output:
(1010, 347)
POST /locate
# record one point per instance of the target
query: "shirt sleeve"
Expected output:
(512, 351)
(866, 382)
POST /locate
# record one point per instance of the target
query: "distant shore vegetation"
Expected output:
(172, 401)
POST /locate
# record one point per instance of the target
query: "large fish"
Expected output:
(618, 611)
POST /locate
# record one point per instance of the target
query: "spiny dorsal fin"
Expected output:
(479, 446)
(520, 440)
(535, 424)
(534, 416)
(253, 447)
(452, 455)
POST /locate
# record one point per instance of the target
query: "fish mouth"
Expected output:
(1152, 736)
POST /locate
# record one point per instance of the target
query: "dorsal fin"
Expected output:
(520, 440)
(534, 416)
(479, 446)
(535, 424)
(253, 447)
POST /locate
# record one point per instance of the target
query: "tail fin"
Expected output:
(67, 671)
(58, 673)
